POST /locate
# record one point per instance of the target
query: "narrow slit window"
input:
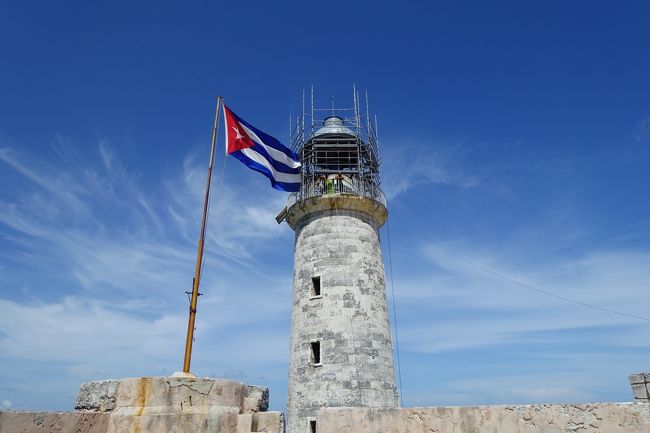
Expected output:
(315, 286)
(312, 426)
(315, 352)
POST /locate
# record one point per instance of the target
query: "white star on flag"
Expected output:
(239, 134)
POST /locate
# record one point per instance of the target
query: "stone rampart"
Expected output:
(156, 405)
(53, 422)
(541, 418)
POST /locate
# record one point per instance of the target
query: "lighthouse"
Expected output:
(341, 352)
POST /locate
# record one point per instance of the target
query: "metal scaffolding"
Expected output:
(338, 150)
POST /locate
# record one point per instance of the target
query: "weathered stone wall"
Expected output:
(349, 319)
(156, 405)
(53, 422)
(640, 383)
(544, 418)
(202, 405)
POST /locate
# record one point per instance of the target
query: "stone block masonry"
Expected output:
(341, 349)
(53, 422)
(541, 418)
(202, 405)
(156, 405)
(640, 383)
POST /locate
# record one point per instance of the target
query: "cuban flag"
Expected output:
(262, 153)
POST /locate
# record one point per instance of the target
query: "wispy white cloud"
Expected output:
(110, 229)
(544, 388)
(115, 255)
(569, 377)
(481, 309)
(408, 165)
(483, 340)
(241, 217)
(641, 132)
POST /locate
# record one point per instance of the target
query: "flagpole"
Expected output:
(199, 255)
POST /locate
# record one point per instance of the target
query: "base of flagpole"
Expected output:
(184, 374)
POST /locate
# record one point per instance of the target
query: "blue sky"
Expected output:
(514, 134)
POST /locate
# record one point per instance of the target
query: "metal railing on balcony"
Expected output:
(339, 185)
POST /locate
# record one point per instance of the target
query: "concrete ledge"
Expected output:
(543, 418)
(329, 204)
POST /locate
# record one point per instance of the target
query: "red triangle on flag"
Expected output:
(236, 136)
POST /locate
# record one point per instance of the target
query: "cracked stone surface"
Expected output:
(640, 383)
(98, 395)
(542, 418)
(173, 392)
(202, 386)
(53, 422)
(337, 240)
(156, 405)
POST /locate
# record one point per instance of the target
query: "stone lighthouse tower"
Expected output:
(341, 350)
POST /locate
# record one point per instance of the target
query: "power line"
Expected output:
(519, 283)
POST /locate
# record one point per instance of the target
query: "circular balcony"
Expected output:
(337, 193)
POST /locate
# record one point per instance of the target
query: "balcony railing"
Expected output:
(342, 185)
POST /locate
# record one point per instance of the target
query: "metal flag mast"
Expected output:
(199, 255)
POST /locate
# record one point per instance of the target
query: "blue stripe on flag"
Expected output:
(279, 166)
(282, 186)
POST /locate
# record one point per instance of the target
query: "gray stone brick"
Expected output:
(637, 378)
(640, 391)
(351, 321)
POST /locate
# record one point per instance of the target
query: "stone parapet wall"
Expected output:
(640, 383)
(156, 405)
(542, 418)
(105, 422)
(169, 394)
(53, 422)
